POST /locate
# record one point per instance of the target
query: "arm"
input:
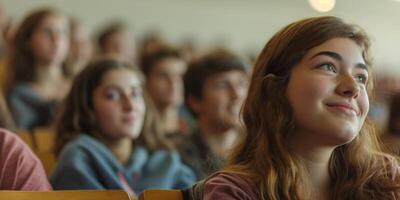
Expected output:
(20, 168)
(20, 111)
(74, 171)
(183, 177)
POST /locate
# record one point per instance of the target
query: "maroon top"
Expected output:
(20, 169)
(229, 186)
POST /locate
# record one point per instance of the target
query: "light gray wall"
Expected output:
(240, 24)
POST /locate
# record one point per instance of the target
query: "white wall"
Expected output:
(241, 24)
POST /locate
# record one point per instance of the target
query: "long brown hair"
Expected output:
(358, 170)
(77, 116)
(22, 62)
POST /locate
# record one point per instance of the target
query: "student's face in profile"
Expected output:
(165, 82)
(327, 92)
(223, 95)
(50, 41)
(118, 104)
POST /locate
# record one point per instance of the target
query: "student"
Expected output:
(215, 87)
(114, 40)
(306, 131)
(104, 133)
(37, 81)
(164, 67)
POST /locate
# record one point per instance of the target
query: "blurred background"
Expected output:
(241, 25)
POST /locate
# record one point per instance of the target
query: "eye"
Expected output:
(136, 93)
(328, 66)
(221, 84)
(113, 95)
(361, 78)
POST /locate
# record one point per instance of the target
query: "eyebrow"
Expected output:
(336, 56)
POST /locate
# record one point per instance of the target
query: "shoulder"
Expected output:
(164, 157)
(12, 145)
(21, 90)
(224, 185)
(82, 147)
(19, 167)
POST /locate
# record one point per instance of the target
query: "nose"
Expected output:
(348, 87)
(174, 83)
(127, 103)
(55, 36)
(234, 92)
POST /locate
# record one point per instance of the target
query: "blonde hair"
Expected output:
(358, 170)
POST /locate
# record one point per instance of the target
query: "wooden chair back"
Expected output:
(66, 195)
(161, 194)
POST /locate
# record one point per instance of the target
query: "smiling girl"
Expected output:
(307, 131)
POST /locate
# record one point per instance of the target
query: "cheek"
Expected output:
(141, 107)
(65, 46)
(306, 96)
(218, 101)
(364, 103)
(157, 85)
(104, 112)
(37, 45)
(303, 92)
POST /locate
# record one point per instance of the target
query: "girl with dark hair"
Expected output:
(107, 135)
(36, 80)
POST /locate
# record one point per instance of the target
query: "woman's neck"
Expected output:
(170, 119)
(317, 166)
(50, 82)
(316, 162)
(50, 73)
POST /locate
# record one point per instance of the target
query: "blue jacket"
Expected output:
(85, 163)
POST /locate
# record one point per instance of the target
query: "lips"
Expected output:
(128, 119)
(345, 107)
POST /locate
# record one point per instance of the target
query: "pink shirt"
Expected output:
(20, 169)
(229, 186)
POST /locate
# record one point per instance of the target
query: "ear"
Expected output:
(194, 104)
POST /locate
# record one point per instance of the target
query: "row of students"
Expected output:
(42, 41)
(306, 133)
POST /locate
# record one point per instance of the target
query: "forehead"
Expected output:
(121, 77)
(347, 48)
(54, 18)
(169, 64)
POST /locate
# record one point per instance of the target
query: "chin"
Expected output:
(230, 123)
(343, 137)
